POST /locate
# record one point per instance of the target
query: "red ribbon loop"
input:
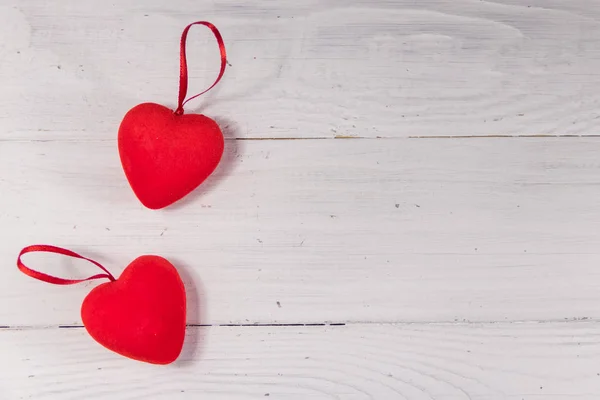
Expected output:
(183, 72)
(53, 279)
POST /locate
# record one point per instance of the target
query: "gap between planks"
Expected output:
(337, 324)
(337, 137)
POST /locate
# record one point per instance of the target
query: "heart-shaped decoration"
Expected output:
(166, 155)
(142, 314)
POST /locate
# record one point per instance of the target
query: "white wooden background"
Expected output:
(408, 207)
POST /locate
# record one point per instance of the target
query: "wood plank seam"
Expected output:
(338, 137)
(338, 324)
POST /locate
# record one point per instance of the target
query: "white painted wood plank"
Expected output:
(413, 362)
(333, 230)
(70, 69)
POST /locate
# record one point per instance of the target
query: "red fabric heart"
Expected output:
(142, 314)
(165, 155)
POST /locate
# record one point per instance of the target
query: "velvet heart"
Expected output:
(166, 155)
(141, 315)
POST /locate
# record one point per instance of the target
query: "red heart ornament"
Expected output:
(142, 314)
(165, 155)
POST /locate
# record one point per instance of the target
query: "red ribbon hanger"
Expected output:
(183, 70)
(53, 279)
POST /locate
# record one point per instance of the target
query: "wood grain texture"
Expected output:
(70, 69)
(446, 233)
(302, 231)
(359, 362)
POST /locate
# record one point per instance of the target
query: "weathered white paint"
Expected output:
(335, 230)
(359, 231)
(70, 69)
(414, 362)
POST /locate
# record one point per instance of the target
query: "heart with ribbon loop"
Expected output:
(165, 153)
(141, 315)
